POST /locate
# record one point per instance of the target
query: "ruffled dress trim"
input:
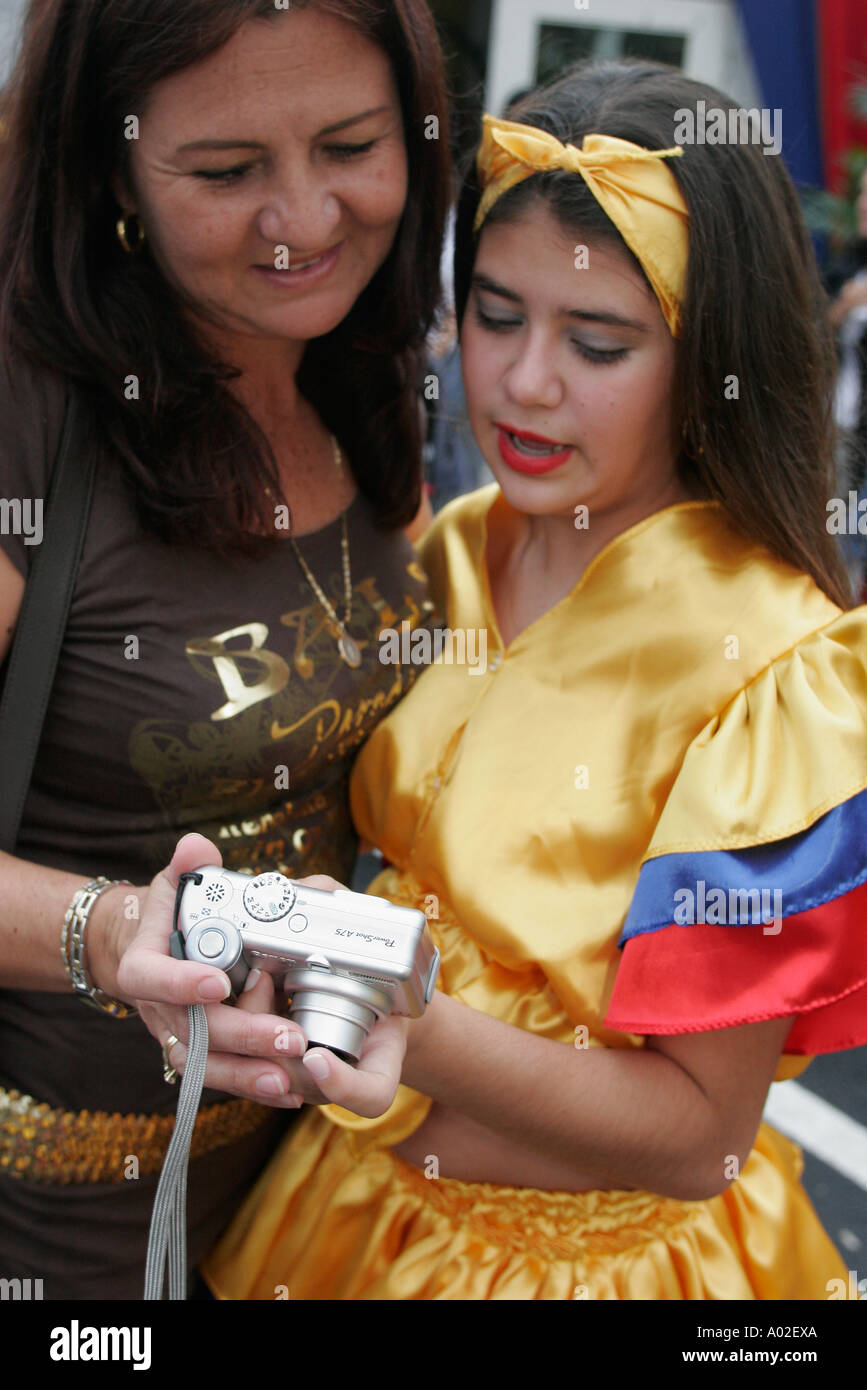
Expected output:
(751, 902)
(323, 1224)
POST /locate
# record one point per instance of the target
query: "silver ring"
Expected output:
(170, 1073)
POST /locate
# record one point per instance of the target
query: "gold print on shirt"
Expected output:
(386, 615)
(321, 730)
(300, 706)
(229, 666)
(297, 620)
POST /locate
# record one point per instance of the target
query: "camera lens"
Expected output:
(338, 1052)
(334, 1011)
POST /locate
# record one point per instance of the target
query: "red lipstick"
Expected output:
(527, 452)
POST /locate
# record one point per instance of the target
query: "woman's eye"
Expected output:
(600, 355)
(223, 175)
(350, 151)
(496, 325)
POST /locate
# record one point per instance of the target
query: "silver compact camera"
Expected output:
(345, 958)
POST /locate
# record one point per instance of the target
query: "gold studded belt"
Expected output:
(84, 1146)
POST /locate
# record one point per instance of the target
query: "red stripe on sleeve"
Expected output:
(693, 979)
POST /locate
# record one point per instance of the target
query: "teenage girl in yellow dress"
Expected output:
(641, 833)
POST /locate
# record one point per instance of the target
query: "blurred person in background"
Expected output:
(849, 317)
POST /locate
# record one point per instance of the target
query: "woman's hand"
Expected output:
(315, 1077)
(253, 1051)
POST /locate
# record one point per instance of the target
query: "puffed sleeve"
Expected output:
(751, 902)
(32, 404)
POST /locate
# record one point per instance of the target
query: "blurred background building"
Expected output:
(807, 57)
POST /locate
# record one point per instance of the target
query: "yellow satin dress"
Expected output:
(691, 686)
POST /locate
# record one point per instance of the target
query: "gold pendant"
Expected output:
(348, 648)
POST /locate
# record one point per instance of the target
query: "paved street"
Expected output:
(834, 1142)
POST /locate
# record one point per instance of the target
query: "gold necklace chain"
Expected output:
(346, 644)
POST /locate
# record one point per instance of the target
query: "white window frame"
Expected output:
(715, 49)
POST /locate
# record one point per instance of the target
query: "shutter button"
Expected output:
(211, 943)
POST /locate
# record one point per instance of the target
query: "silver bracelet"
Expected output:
(72, 949)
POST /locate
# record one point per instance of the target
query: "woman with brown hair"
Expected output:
(220, 230)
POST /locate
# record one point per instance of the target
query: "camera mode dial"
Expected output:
(268, 897)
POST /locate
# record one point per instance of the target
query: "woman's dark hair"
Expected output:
(73, 301)
(754, 306)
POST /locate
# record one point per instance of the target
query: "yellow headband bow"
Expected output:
(632, 185)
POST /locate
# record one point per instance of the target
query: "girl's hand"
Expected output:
(244, 1038)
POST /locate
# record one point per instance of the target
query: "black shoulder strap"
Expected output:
(39, 634)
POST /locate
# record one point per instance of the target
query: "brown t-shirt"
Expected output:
(191, 694)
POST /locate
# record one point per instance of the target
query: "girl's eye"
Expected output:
(223, 175)
(494, 324)
(599, 355)
(344, 152)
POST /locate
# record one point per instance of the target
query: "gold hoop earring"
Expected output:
(121, 227)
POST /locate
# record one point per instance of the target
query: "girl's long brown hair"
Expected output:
(754, 305)
(73, 302)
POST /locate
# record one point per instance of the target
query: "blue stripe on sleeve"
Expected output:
(805, 870)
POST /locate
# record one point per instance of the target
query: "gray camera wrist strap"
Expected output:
(335, 1000)
(167, 1240)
